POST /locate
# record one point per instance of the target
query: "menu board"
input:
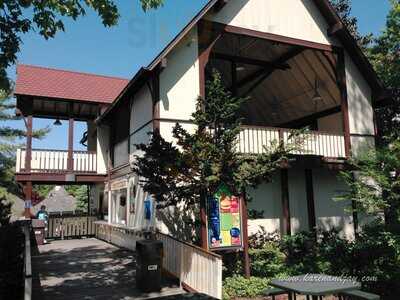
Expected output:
(224, 220)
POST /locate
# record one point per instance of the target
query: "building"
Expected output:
(294, 58)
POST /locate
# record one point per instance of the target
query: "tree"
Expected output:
(374, 183)
(343, 9)
(385, 57)
(10, 139)
(80, 193)
(202, 160)
(21, 16)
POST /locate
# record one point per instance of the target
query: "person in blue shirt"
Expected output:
(43, 215)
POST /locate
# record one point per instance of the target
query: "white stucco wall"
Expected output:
(102, 148)
(179, 81)
(267, 197)
(330, 213)
(167, 127)
(360, 109)
(292, 18)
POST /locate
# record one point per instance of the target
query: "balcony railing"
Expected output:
(56, 161)
(254, 140)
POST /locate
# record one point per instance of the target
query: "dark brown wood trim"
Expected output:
(188, 288)
(156, 100)
(285, 202)
(312, 222)
(29, 132)
(70, 164)
(50, 178)
(310, 118)
(355, 217)
(28, 199)
(341, 71)
(250, 61)
(363, 135)
(246, 257)
(271, 37)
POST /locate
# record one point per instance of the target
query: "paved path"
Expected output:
(87, 269)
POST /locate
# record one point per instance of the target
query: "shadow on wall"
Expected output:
(180, 223)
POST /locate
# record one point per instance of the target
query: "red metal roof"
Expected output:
(61, 84)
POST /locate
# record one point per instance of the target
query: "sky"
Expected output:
(120, 51)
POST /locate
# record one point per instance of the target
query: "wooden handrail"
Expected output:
(191, 245)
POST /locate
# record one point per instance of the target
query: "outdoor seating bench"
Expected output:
(357, 294)
(273, 291)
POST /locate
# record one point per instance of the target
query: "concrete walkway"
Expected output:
(88, 269)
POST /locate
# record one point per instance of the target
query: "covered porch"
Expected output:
(290, 84)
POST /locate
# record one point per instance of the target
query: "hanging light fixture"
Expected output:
(240, 68)
(317, 96)
(57, 122)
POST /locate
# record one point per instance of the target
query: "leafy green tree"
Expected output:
(202, 160)
(80, 193)
(343, 9)
(385, 57)
(46, 17)
(375, 184)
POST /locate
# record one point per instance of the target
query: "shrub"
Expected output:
(268, 261)
(238, 286)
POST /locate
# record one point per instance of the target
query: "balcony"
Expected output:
(56, 161)
(255, 139)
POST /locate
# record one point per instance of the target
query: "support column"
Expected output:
(246, 258)
(28, 199)
(312, 223)
(285, 202)
(70, 161)
(28, 154)
(341, 77)
(355, 218)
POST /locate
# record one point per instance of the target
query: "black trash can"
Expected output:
(149, 262)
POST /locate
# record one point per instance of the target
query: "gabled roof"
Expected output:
(67, 85)
(338, 29)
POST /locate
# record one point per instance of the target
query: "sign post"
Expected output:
(225, 223)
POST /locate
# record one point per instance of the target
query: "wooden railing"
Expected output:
(196, 268)
(56, 161)
(71, 226)
(254, 140)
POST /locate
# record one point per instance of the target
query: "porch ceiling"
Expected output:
(279, 78)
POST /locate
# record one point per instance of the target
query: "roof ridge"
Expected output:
(70, 71)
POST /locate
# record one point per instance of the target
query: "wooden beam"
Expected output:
(312, 223)
(341, 71)
(250, 61)
(28, 199)
(304, 121)
(266, 72)
(29, 133)
(271, 37)
(335, 28)
(285, 202)
(70, 160)
(246, 258)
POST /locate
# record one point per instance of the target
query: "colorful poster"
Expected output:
(224, 220)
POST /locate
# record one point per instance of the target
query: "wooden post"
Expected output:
(28, 154)
(312, 224)
(341, 72)
(28, 199)
(285, 202)
(203, 221)
(246, 258)
(70, 164)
